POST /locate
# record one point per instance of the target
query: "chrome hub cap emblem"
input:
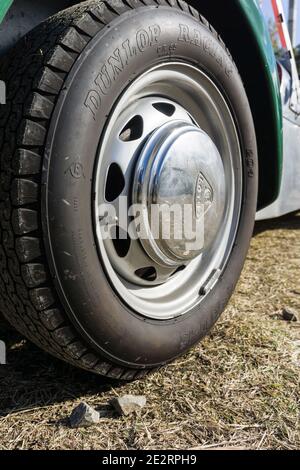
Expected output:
(203, 196)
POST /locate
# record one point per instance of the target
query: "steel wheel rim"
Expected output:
(197, 101)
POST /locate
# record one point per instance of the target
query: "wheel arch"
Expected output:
(246, 35)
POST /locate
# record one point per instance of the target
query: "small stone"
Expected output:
(289, 315)
(129, 404)
(84, 416)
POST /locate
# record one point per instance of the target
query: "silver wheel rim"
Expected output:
(173, 109)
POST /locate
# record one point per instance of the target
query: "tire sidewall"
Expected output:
(154, 35)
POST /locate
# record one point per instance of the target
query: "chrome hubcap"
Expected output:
(179, 167)
(171, 141)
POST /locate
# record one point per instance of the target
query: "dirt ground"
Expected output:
(239, 388)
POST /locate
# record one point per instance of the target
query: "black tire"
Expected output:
(82, 320)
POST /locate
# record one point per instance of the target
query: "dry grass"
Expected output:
(239, 388)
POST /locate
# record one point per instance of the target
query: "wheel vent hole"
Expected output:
(121, 241)
(115, 182)
(165, 108)
(147, 274)
(133, 130)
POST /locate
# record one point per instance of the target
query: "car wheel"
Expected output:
(122, 104)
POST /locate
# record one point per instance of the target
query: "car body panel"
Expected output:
(289, 195)
(259, 27)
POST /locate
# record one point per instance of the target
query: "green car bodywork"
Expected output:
(245, 18)
(253, 13)
(4, 6)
